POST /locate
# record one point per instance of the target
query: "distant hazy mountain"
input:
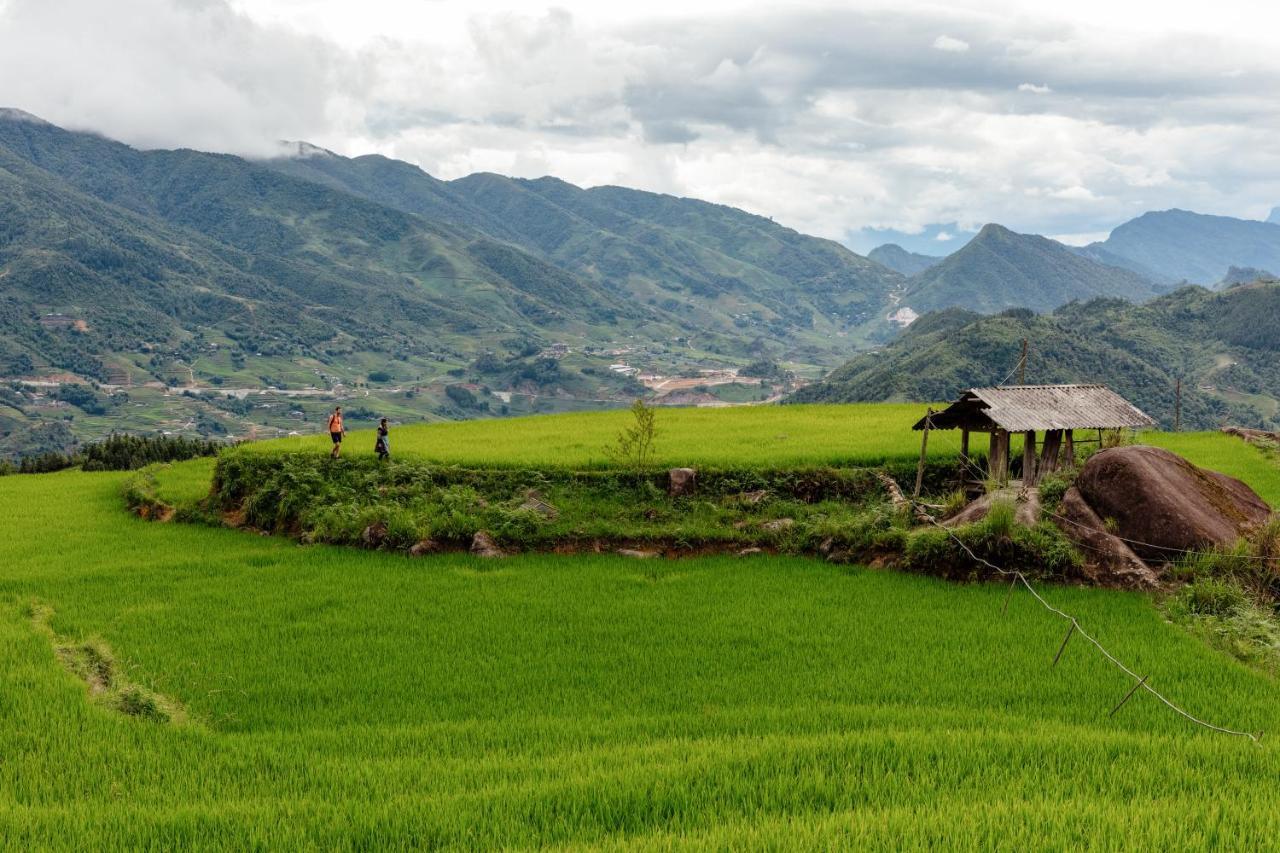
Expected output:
(1244, 275)
(999, 269)
(1274, 217)
(897, 258)
(1221, 344)
(1178, 245)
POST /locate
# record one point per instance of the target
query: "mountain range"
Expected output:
(1177, 246)
(1221, 344)
(313, 270)
(999, 269)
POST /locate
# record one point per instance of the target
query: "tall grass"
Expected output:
(343, 700)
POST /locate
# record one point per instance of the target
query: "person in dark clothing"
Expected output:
(383, 446)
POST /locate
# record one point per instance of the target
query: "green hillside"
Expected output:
(999, 269)
(258, 694)
(1220, 344)
(726, 268)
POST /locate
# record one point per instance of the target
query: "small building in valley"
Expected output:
(1056, 410)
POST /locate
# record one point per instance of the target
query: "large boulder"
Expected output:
(1108, 560)
(1162, 504)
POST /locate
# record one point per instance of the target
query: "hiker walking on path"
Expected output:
(382, 447)
(336, 431)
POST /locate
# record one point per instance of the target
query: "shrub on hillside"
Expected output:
(1038, 551)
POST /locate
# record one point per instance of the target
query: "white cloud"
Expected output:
(950, 45)
(157, 73)
(1081, 239)
(944, 236)
(828, 117)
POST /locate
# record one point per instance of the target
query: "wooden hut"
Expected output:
(1056, 410)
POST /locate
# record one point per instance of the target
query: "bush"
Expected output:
(1038, 551)
(1054, 485)
(1212, 597)
(129, 452)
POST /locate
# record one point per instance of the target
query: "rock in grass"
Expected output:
(681, 482)
(1152, 496)
(1026, 507)
(373, 535)
(749, 552)
(778, 525)
(637, 554)
(482, 545)
(424, 547)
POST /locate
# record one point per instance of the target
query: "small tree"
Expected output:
(633, 447)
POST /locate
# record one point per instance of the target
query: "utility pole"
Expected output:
(1177, 410)
(1022, 364)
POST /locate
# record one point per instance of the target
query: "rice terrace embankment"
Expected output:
(193, 684)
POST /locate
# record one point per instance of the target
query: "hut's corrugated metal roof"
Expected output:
(1021, 408)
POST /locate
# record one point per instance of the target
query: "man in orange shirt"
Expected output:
(336, 431)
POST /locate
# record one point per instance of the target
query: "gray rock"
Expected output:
(424, 547)
(482, 545)
(681, 482)
(1108, 561)
(373, 535)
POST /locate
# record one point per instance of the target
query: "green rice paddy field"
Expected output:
(770, 436)
(341, 699)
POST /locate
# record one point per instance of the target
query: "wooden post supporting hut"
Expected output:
(1055, 410)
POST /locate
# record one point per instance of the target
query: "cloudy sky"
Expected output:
(863, 122)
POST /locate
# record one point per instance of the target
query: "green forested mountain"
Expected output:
(1221, 344)
(897, 258)
(1182, 246)
(279, 265)
(999, 269)
(716, 265)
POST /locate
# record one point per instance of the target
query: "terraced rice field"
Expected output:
(344, 699)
